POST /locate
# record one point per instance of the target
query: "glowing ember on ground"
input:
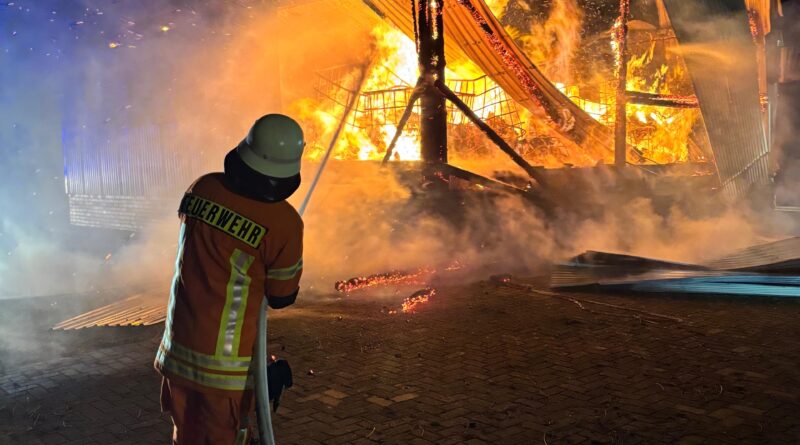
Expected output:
(418, 298)
(396, 277)
(384, 279)
(455, 265)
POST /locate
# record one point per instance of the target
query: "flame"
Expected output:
(552, 44)
(497, 7)
(384, 94)
(660, 134)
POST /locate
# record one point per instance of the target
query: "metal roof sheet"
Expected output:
(718, 49)
(136, 310)
(764, 269)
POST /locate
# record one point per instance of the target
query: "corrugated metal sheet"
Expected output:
(675, 281)
(118, 177)
(138, 161)
(778, 256)
(137, 310)
(472, 31)
(734, 285)
(758, 270)
(119, 212)
(717, 46)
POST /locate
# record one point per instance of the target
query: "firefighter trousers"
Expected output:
(203, 419)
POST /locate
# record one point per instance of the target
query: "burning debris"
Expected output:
(384, 279)
(419, 276)
(397, 277)
(416, 299)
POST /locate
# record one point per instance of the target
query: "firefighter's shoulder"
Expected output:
(206, 180)
(292, 220)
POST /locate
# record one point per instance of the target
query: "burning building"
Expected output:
(548, 85)
(508, 87)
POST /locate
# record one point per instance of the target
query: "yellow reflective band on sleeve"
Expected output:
(238, 364)
(286, 273)
(223, 218)
(218, 381)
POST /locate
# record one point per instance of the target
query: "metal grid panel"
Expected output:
(385, 107)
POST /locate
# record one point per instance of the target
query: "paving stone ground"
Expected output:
(479, 364)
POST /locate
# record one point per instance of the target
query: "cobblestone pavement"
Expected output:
(479, 364)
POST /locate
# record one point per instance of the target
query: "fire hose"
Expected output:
(265, 433)
(264, 417)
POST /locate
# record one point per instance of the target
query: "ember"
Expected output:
(384, 279)
(417, 298)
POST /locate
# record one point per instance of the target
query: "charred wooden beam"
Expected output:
(429, 31)
(662, 100)
(412, 100)
(620, 120)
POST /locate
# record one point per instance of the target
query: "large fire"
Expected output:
(386, 89)
(660, 135)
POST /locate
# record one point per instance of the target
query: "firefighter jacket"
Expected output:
(232, 252)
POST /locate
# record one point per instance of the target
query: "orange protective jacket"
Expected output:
(232, 252)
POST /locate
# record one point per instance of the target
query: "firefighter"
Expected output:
(239, 242)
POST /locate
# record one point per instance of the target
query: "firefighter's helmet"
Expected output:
(266, 164)
(274, 146)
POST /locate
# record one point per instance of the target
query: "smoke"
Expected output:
(366, 220)
(210, 69)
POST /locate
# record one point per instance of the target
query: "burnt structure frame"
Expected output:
(432, 92)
